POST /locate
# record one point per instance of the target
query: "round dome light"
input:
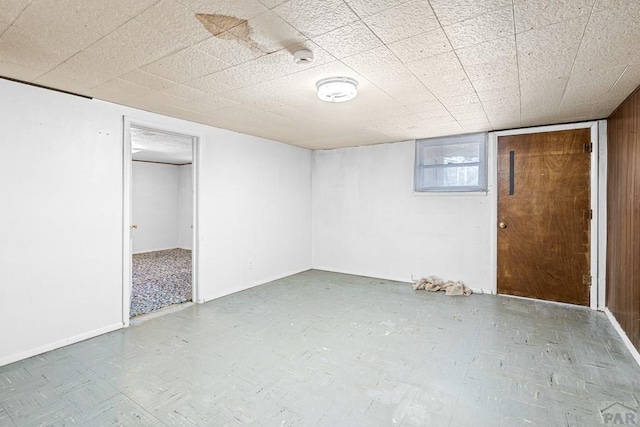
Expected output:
(337, 89)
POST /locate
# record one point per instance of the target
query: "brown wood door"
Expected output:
(543, 205)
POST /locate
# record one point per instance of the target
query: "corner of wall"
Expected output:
(625, 338)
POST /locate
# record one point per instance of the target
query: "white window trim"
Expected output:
(483, 180)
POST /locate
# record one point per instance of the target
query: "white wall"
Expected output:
(254, 212)
(162, 206)
(185, 207)
(155, 205)
(61, 222)
(367, 221)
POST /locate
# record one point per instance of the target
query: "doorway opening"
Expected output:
(161, 219)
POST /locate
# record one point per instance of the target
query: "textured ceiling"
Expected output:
(160, 147)
(425, 67)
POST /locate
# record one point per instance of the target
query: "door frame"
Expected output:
(596, 294)
(127, 211)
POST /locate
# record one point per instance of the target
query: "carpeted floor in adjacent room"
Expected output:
(160, 279)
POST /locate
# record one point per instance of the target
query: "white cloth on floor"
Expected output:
(434, 283)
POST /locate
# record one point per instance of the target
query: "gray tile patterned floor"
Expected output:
(330, 349)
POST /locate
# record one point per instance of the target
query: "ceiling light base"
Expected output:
(337, 89)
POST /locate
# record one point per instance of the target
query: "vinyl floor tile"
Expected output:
(328, 349)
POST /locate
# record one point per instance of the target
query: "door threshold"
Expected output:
(134, 321)
(564, 304)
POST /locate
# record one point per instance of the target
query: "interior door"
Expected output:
(544, 215)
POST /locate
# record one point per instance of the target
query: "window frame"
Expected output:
(420, 144)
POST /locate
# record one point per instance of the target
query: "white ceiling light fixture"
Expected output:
(337, 89)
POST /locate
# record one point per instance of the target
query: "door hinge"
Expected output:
(588, 214)
(586, 279)
(587, 147)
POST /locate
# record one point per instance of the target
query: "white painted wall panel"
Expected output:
(254, 210)
(185, 207)
(61, 218)
(367, 221)
(155, 205)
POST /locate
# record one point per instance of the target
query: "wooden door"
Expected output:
(544, 215)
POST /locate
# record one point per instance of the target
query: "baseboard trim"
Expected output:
(412, 280)
(241, 288)
(352, 273)
(58, 344)
(482, 291)
(623, 335)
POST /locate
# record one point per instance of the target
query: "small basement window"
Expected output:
(452, 163)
